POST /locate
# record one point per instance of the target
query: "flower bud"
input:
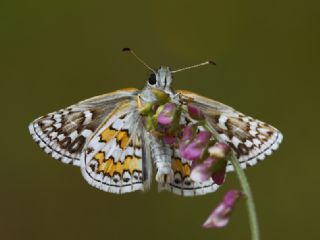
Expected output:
(195, 112)
(219, 171)
(167, 115)
(220, 216)
(160, 95)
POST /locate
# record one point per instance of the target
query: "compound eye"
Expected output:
(152, 79)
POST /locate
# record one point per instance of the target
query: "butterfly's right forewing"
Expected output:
(63, 134)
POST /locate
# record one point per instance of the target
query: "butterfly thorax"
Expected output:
(161, 153)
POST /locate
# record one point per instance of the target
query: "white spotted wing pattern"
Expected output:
(252, 140)
(181, 183)
(64, 133)
(105, 136)
(113, 160)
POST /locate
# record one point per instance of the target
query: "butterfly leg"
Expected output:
(139, 104)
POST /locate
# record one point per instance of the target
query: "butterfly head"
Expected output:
(161, 79)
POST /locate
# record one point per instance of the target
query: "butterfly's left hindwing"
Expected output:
(181, 183)
(113, 158)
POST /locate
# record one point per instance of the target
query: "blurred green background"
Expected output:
(55, 53)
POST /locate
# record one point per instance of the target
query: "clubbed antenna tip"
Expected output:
(212, 62)
(139, 59)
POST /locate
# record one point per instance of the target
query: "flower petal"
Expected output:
(219, 150)
(219, 176)
(195, 149)
(216, 218)
(202, 171)
(188, 133)
(231, 197)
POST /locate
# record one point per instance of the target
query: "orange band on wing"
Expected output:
(123, 139)
(110, 167)
(183, 168)
(121, 136)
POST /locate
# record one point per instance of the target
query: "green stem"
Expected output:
(254, 226)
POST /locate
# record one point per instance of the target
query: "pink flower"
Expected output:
(202, 172)
(167, 115)
(188, 134)
(214, 166)
(193, 146)
(211, 167)
(195, 112)
(220, 216)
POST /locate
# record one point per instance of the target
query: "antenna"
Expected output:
(194, 66)
(139, 59)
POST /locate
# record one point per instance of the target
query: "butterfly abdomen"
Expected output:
(161, 154)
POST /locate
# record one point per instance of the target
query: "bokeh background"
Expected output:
(55, 53)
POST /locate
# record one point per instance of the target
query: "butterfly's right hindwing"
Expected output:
(63, 134)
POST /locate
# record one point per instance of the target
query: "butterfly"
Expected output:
(105, 136)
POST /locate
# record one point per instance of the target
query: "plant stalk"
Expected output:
(253, 221)
(254, 226)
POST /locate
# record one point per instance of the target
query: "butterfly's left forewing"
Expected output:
(251, 140)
